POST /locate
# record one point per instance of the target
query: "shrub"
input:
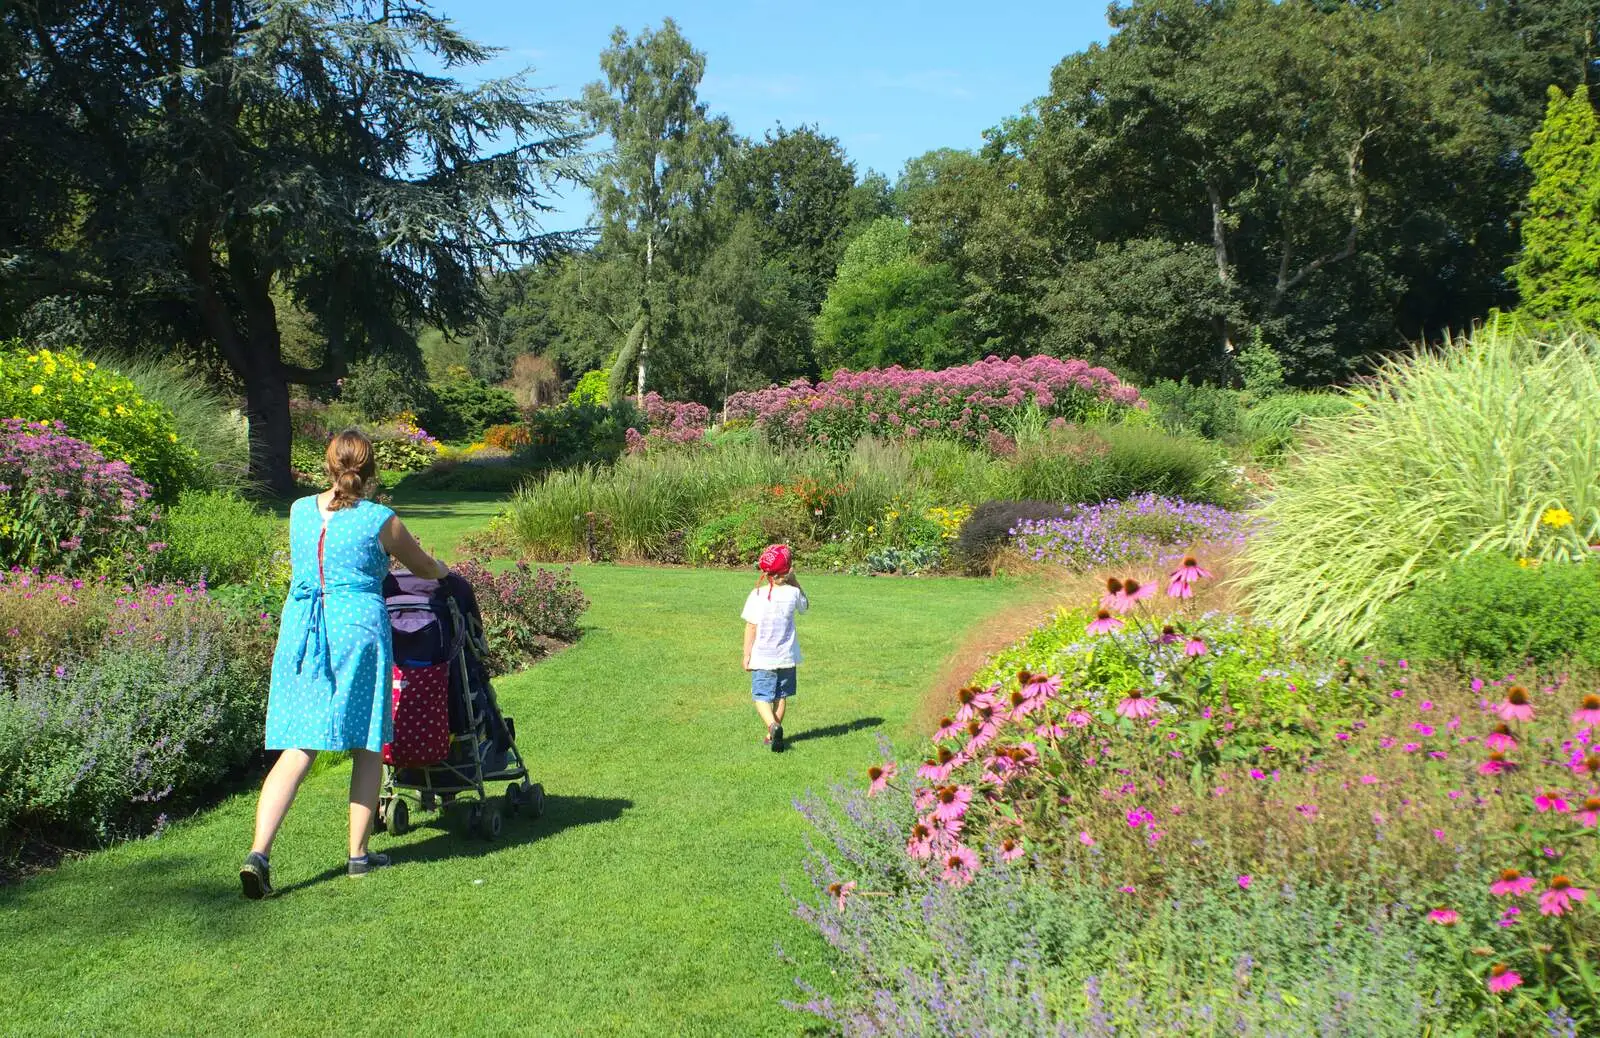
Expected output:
(524, 611)
(1272, 425)
(65, 507)
(377, 391)
(401, 445)
(735, 535)
(206, 421)
(507, 437)
(1487, 611)
(462, 407)
(580, 434)
(1201, 410)
(1074, 464)
(1142, 529)
(962, 403)
(102, 408)
(217, 537)
(1489, 445)
(309, 459)
(105, 745)
(486, 476)
(993, 524)
(594, 387)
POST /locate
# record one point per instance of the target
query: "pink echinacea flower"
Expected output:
(1503, 978)
(960, 864)
(1517, 705)
(879, 777)
(1589, 712)
(1135, 706)
(1561, 896)
(1511, 883)
(1104, 622)
(1444, 916)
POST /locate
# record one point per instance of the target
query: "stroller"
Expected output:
(450, 739)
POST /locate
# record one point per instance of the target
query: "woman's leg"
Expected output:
(277, 793)
(366, 775)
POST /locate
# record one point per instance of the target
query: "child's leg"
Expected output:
(764, 691)
(770, 714)
(786, 688)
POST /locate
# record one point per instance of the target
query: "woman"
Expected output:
(332, 670)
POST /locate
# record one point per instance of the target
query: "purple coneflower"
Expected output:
(1135, 705)
(1103, 622)
(1561, 896)
(1511, 884)
(1503, 978)
(1517, 705)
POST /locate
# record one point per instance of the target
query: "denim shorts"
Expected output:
(770, 685)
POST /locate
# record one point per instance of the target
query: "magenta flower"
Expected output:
(1517, 705)
(1078, 717)
(920, 846)
(1508, 918)
(1444, 916)
(840, 892)
(1084, 838)
(1500, 739)
(1589, 815)
(960, 865)
(1038, 686)
(951, 802)
(1010, 849)
(1126, 888)
(1244, 881)
(948, 728)
(1495, 765)
(1050, 731)
(1548, 801)
(1113, 598)
(1194, 647)
(1104, 622)
(879, 777)
(1589, 712)
(1136, 706)
(1511, 884)
(1561, 896)
(1503, 978)
(1188, 571)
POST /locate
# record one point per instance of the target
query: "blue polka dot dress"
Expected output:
(332, 670)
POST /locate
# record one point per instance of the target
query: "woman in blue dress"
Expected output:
(332, 671)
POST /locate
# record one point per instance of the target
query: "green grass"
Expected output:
(648, 900)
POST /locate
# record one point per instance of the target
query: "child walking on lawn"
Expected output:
(771, 651)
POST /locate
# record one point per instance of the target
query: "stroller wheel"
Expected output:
(514, 799)
(534, 794)
(488, 821)
(397, 817)
(429, 802)
(379, 819)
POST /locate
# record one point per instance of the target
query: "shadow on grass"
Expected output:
(833, 730)
(452, 840)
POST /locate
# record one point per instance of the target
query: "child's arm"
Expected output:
(749, 643)
(805, 602)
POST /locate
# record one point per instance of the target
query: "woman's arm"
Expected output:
(397, 541)
(749, 643)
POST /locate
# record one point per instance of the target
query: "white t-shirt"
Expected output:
(776, 646)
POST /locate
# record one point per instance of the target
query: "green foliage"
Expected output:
(462, 407)
(397, 454)
(1446, 454)
(580, 434)
(592, 388)
(737, 535)
(100, 407)
(1199, 409)
(471, 476)
(379, 390)
(1491, 613)
(1272, 425)
(1259, 367)
(207, 421)
(310, 459)
(218, 537)
(903, 313)
(1555, 272)
(1079, 465)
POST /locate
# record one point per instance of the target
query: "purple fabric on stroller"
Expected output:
(425, 634)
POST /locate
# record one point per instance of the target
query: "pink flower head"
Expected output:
(1244, 881)
(1050, 731)
(1133, 591)
(1503, 978)
(1589, 712)
(960, 865)
(920, 845)
(1500, 739)
(948, 728)
(1078, 717)
(1179, 588)
(1545, 800)
(840, 892)
(1113, 598)
(1168, 635)
(879, 777)
(945, 828)
(1495, 765)
(1589, 815)
(951, 802)
(1135, 705)
(969, 700)
(1517, 705)
(1084, 838)
(1104, 622)
(1038, 686)
(1011, 849)
(1511, 884)
(1444, 916)
(1561, 896)
(1194, 647)
(1126, 888)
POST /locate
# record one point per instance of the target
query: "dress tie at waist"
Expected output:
(314, 641)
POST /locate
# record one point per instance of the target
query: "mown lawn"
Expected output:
(648, 900)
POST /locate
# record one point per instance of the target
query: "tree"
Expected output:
(886, 307)
(228, 149)
(1558, 272)
(651, 193)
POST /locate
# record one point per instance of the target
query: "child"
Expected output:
(771, 652)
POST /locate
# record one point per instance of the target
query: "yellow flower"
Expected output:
(91, 365)
(1557, 517)
(36, 390)
(77, 377)
(1528, 563)
(105, 412)
(172, 437)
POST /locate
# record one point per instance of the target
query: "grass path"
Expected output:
(647, 901)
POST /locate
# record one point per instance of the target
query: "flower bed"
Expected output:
(964, 403)
(1139, 529)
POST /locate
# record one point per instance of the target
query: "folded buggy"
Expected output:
(450, 739)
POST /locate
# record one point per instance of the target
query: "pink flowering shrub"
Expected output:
(526, 612)
(668, 424)
(65, 507)
(963, 403)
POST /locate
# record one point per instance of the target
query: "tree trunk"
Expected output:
(1219, 249)
(266, 406)
(644, 342)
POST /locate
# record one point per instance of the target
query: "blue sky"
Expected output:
(890, 80)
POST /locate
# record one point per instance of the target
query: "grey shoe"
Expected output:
(369, 863)
(255, 877)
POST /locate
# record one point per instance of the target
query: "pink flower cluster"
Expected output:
(676, 423)
(967, 402)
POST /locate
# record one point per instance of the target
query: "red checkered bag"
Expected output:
(421, 701)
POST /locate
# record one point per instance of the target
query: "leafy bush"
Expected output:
(507, 437)
(65, 507)
(108, 741)
(101, 408)
(206, 421)
(524, 612)
(462, 407)
(1075, 464)
(401, 445)
(377, 391)
(308, 458)
(1139, 530)
(1490, 445)
(489, 476)
(1488, 611)
(992, 525)
(594, 387)
(962, 403)
(217, 537)
(1271, 425)
(580, 434)
(1201, 410)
